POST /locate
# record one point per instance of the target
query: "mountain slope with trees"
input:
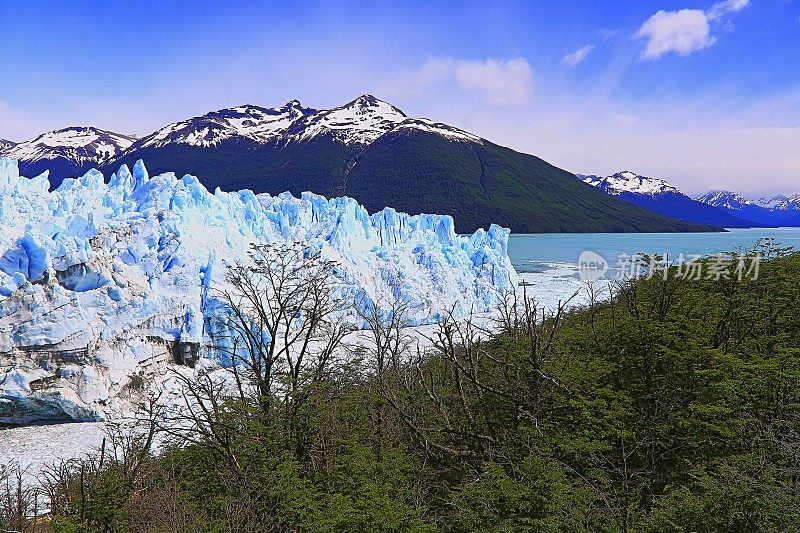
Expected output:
(418, 171)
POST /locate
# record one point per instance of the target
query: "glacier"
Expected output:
(100, 280)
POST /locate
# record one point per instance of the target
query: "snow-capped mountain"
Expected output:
(364, 120)
(780, 202)
(357, 123)
(78, 144)
(777, 210)
(68, 151)
(630, 182)
(4, 144)
(726, 200)
(659, 196)
(771, 202)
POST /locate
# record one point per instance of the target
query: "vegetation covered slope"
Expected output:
(480, 184)
(416, 171)
(673, 408)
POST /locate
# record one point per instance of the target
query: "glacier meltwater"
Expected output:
(98, 279)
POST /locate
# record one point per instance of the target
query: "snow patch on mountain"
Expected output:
(423, 124)
(258, 124)
(630, 182)
(101, 281)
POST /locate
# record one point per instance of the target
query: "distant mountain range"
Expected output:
(367, 149)
(778, 210)
(660, 197)
(721, 208)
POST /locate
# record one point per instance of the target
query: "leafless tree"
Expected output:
(440, 393)
(282, 324)
(19, 505)
(201, 412)
(280, 330)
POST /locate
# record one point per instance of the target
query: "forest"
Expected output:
(666, 404)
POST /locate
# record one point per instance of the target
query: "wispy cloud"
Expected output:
(720, 9)
(608, 33)
(577, 57)
(684, 31)
(499, 82)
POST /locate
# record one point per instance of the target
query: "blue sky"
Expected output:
(703, 94)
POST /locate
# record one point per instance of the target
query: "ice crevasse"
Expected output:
(100, 280)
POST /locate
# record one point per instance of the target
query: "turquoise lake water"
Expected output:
(542, 252)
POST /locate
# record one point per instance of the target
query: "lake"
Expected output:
(548, 263)
(540, 252)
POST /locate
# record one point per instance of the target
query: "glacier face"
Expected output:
(99, 280)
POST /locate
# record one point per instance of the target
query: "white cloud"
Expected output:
(682, 32)
(576, 58)
(499, 82)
